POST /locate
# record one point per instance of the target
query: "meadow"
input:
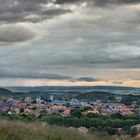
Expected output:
(16, 130)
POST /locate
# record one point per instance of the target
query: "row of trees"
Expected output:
(110, 126)
(95, 122)
(91, 122)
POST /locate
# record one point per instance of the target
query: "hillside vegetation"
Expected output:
(39, 131)
(108, 96)
(97, 95)
(5, 92)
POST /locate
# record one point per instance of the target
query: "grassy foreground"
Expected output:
(38, 131)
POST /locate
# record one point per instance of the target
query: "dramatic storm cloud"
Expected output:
(70, 42)
(12, 11)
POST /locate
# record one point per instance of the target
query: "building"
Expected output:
(74, 102)
(126, 111)
(38, 100)
(51, 97)
(28, 99)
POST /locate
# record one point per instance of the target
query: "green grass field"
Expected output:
(37, 131)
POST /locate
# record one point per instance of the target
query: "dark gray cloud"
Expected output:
(15, 33)
(12, 11)
(6, 73)
(87, 79)
(100, 2)
(17, 11)
(67, 1)
(106, 2)
(88, 38)
(50, 13)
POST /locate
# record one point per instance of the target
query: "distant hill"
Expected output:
(83, 89)
(5, 92)
(97, 95)
(107, 96)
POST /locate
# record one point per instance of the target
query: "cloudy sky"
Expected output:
(69, 42)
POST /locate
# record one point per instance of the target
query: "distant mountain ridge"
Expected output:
(46, 88)
(84, 92)
(82, 89)
(97, 95)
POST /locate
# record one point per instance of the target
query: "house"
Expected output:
(134, 103)
(108, 111)
(126, 111)
(85, 104)
(28, 111)
(66, 112)
(93, 111)
(49, 111)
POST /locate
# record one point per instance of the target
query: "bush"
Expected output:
(111, 131)
(133, 132)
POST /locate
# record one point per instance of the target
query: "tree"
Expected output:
(100, 128)
(21, 110)
(117, 116)
(111, 131)
(76, 113)
(133, 132)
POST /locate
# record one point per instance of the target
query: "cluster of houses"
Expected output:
(112, 108)
(38, 106)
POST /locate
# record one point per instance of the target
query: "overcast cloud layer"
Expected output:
(73, 41)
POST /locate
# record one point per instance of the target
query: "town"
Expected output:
(38, 106)
(99, 112)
